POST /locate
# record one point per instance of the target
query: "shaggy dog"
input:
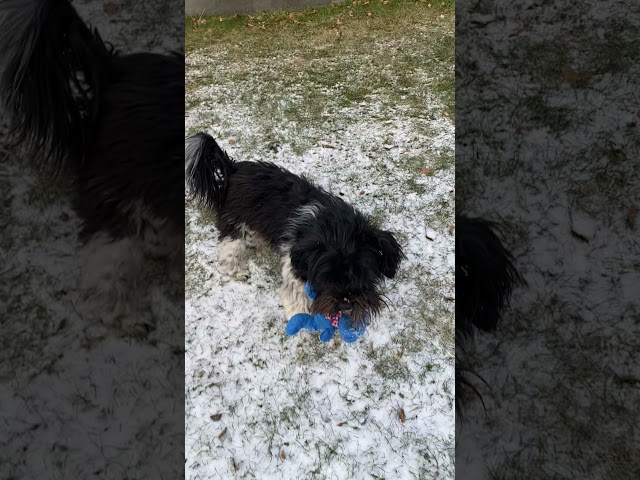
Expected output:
(321, 238)
(110, 123)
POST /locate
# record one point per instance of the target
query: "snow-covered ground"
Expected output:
(357, 114)
(563, 174)
(80, 399)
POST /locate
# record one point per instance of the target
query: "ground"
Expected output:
(562, 175)
(360, 99)
(74, 404)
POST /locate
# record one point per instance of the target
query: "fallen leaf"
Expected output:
(111, 8)
(401, 415)
(232, 141)
(282, 455)
(427, 171)
(400, 352)
(200, 374)
(575, 77)
(234, 465)
(632, 213)
(216, 417)
(223, 433)
(452, 229)
(369, 14)
(362, 192)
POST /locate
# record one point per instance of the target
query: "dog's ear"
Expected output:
(390, 252)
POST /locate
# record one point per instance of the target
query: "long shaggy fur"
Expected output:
(485, 277)
(328, 242)
(106, 119)
(112, 124)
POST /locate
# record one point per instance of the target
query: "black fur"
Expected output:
(331, 244)
(108, 120)
(485, 277)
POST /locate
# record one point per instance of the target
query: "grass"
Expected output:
(555, 366)
(363, 104)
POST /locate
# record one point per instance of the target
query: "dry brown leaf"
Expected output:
(216, 417)
(632, 213)
(232, 141)
(223, 433)
(427, 171)
(452, 229)
(362, 192)
(283, 457)
(111, 8)
(200, 374)
(401, 415)
(400, 352)
(574, 77)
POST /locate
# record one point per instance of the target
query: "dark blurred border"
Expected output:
(82, 398)
(547, 147)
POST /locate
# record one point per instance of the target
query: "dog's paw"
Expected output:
(235, 270)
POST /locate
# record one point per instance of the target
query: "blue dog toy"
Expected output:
(327, 326)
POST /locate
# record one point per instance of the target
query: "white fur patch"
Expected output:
(233, 258)
(294, 298)
(303, 213)
(109, 279)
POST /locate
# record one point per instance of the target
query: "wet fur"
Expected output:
(327, 241)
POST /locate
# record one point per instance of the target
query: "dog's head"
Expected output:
(345, 258)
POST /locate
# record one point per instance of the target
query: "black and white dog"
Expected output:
(320, 237)
(485, 278)
(111, 122)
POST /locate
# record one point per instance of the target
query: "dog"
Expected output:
(485, 278)
(320, 238)
(108, 122)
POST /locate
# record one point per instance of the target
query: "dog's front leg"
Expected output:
(294, 298)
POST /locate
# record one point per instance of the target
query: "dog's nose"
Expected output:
(345, 305)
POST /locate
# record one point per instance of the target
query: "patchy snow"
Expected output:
(262, 405)
(563, 369)
(74, 401)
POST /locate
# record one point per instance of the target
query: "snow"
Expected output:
(81, 399)
(562, 175)
(294, 407)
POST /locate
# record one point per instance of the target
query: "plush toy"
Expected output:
(327, 326)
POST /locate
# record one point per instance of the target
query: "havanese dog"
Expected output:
(320, 238)
(106, 120)
(485, 278)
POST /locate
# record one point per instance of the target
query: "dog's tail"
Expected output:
(54, 67)
(485, 274)
(485, 278)
(207, 169)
